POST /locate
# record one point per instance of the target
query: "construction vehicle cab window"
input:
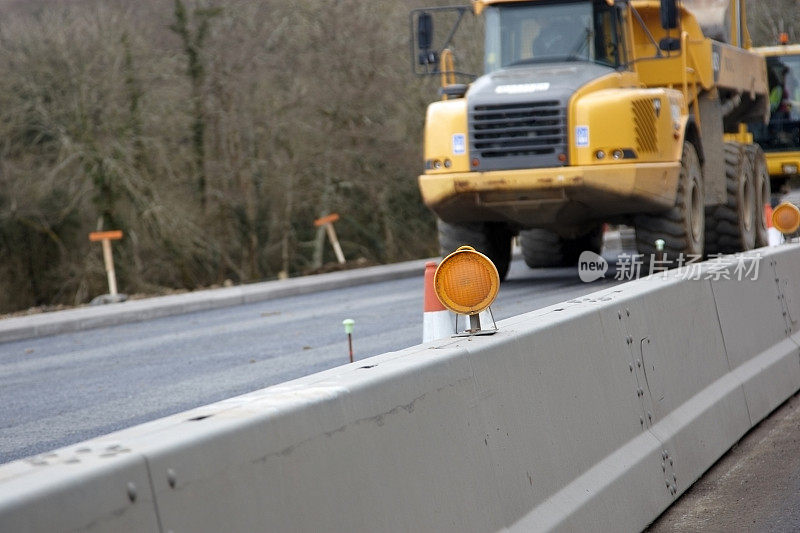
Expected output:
(529, 34)
(780, 138)
(596, 112)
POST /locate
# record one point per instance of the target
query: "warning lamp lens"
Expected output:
(786, 218)
(475, 162)
(562, 157)
(466, 281)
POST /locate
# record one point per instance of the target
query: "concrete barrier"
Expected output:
(758, 320)
(591, 415)
(83, 490)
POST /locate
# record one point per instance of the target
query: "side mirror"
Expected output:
(424, 31)
(426, 47)
(669, 14)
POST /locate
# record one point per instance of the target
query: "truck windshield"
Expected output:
(519, 34)
(783, 131)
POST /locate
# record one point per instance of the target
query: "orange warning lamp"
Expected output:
(466, 281)
(786, 218)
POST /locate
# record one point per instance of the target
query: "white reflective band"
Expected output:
(522, 88)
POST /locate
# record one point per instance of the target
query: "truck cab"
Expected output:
(780, 138)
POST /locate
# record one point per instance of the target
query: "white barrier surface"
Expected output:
(591, 415)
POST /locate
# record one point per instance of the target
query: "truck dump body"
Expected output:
(713, 16)
(710, 58)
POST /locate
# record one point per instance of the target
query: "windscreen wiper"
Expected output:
(575, 54)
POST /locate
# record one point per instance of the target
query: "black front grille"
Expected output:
(521, 135)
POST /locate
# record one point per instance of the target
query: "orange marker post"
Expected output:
(437, 322)
(105, 237)
(328, 221)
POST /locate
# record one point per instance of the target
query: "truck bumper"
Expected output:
(783, 164)
(551, 197)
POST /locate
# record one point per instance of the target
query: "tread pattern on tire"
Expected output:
(758, 161)
(491, 239)
(542, 248)
(671, 226)
(724, 233)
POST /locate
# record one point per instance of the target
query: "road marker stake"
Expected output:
(348, 328)
(105, 237)
(660, 255)
(327, 221)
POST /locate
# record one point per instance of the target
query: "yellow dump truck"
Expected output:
(596, 111)
(780, 138)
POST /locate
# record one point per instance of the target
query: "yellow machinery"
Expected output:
(780, 139)
(595, 111)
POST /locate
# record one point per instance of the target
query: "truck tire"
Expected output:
(731, 227)
(588, 242)
(763, 191)
(493, 239)
(683, 227)
(542, 248)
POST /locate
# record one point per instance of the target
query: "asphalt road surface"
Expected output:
(66, 388)
(754, 487)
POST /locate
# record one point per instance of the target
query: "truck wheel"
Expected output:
(492, 239)
(683, 227)
(732, 226)
(542, 248)
(763, 191)
(588, 242)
